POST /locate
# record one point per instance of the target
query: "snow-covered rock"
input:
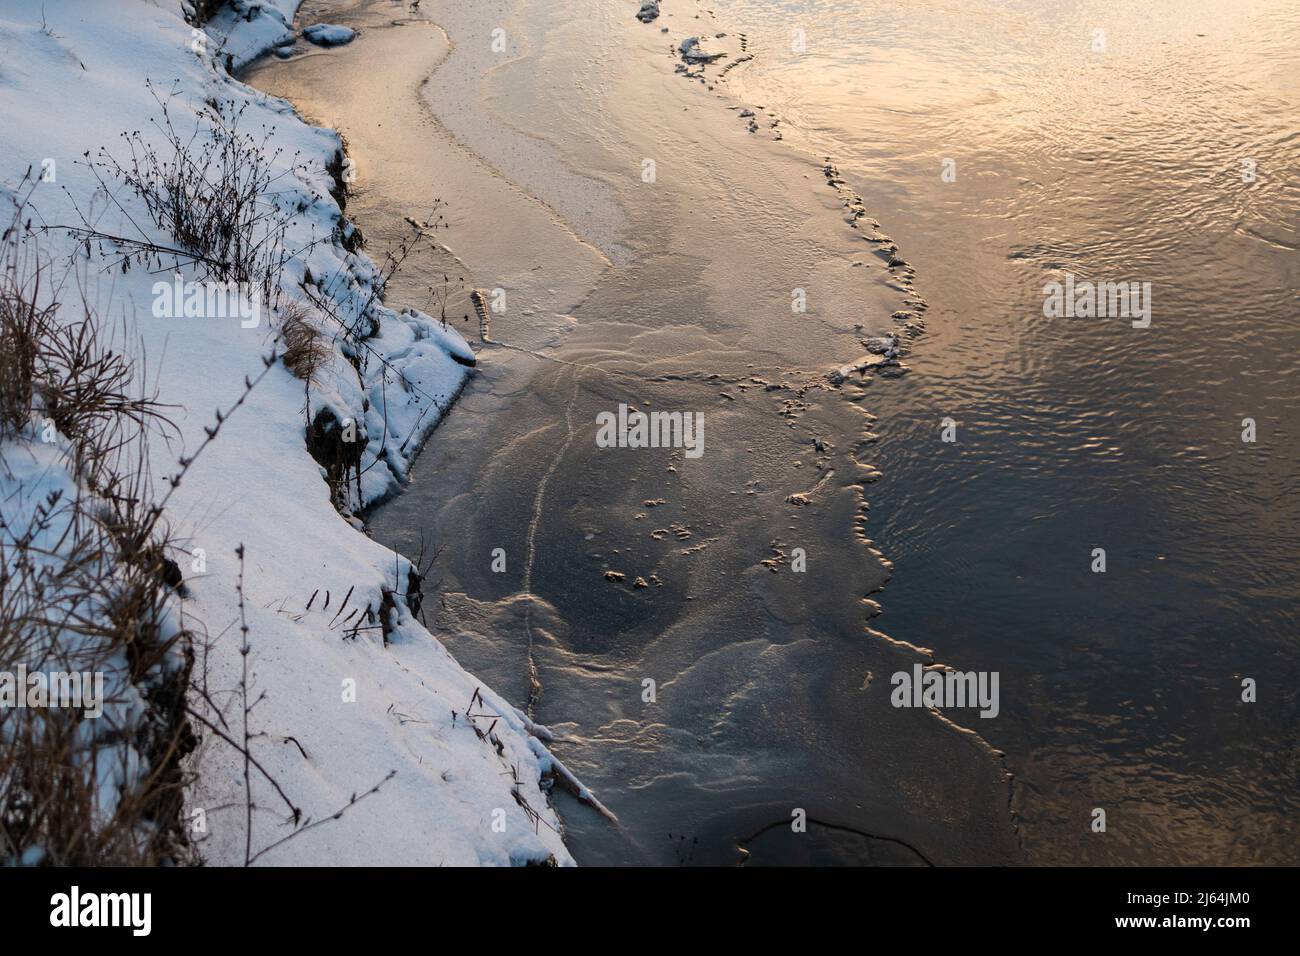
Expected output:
(649, 11)
(329, 34)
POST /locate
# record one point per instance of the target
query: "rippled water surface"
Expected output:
(1120, 690)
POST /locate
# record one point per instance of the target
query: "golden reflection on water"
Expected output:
(1126, 162)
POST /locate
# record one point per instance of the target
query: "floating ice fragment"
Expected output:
(692, 52)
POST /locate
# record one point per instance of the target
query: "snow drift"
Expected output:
(348, 702)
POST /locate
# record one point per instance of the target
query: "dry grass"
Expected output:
(76, 790)
(225, 197)
(21, 323)
(303, 346)
(84, 588)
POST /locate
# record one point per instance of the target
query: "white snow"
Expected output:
(248, 28)
(65, 92)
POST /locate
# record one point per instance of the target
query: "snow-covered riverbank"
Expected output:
(346, 690)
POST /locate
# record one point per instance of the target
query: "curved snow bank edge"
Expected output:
(346, 691)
